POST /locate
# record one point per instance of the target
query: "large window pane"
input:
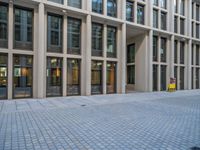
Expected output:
(22, 76)
(176, 75)
(140, 14)
(175, 52)
(155, 18)
(3, 75)
(54, 76)
(155, 48)
(112, 8)
(197, 31)
(197, 54)
(197, 12)
(182, 52)
(57, 1)
(182, 26)
(73, 77)
(176, 24)
(129, 11)
(155, 77)
(97, 6)
(182, 78)
(96, 77)
(182, 7)
(131, 74)
(54, 37)
(197, 78)
(74, 3)
(163, 50)
(163, 78)
(3, 26)
(73, 36)
(111, 77)
(131, 53)
(23, 21)
(97, 39)
(163, 21)
(163, 4)
(155, 2)
(111, 41)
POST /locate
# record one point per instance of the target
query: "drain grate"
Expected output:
(195, 148)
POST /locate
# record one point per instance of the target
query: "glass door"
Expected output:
(3, 76)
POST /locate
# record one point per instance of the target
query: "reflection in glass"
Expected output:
(97, 6)
(23, 76)
(97, 39)
(163, 78)
(155, 77)
(96, 77)
(3, 26)
(129, 11)
(111, 41)
(73, 77)
(112, 8)
(3, 76)
(111, 77)
(54, 76)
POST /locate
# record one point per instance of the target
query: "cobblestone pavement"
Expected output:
(139, 121)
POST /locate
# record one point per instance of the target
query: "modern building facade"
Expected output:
(84, 47)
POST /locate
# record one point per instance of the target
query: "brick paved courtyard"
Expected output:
(151, 121)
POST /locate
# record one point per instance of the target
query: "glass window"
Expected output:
(155, 18)
(197, 12)
(197, 31)
(54, 77)
(74, 36)
(57, 1)
(112, 8)
(111, 41)
(111, 77)
(182, 77)
(163, 50)
(155, 77)
(192, 59)
(3, 75)
(22, 76)
(129, 11)
(131, 74)
(176, 24)
(163, 4)
(74, 3)
(182, 52)
(73, 77)
(175, 6)
(97, 39)
(54, 38)
(140, 14)
(155, 2)
(197, 78)
(96, 77)
(97, 6)
(155, 48)
(176, 75)
(3, 26)
(23, 20)
(175, 52)
(163, 78)
(197, 54)
(182, 26)
(182, 7)
(163, 21)
(131, 53)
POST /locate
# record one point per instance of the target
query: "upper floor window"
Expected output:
(182, 26)
(129, 11)
(175, 6)
(74, 36)
(131, 53)
(182, 7)
(97, 6)
(197, 31)
(163, 21)
(155, 48)
(182, 52)
(155, 2)
(163, 50)
(23, 20)
(176, 24)
(57, 1)
(155, 18)
(3, 26)
(54, 38)
(112, 8)
(163, 4)
(97, 39)
(74, 3)
(111, 41)
(197, 13)
(175, 51)
(140, 14)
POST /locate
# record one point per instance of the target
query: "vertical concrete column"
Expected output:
(87, 66)
(150, 58)
(194, 63)
(171, 57)
(10, 47)
(41, 53)
(189, 65)
(65, 52)
(121, 73)
(104, 55)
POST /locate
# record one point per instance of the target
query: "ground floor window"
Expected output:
(176, 75)
(197, 78)
(96, 77)
(54, 76)
(73, 77)
(3, 75)
(182, 77)
(163, 78)
(131, 74)
(22, 76)
(155, 77)
(111, 77)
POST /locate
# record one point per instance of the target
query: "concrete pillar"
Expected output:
(171, 57)
(87, 56)
(65, 52)
(10, 47)
(104, 55)
(150, 63)
(189, 65)
(41, 53)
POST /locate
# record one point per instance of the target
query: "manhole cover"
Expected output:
(195, 148)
